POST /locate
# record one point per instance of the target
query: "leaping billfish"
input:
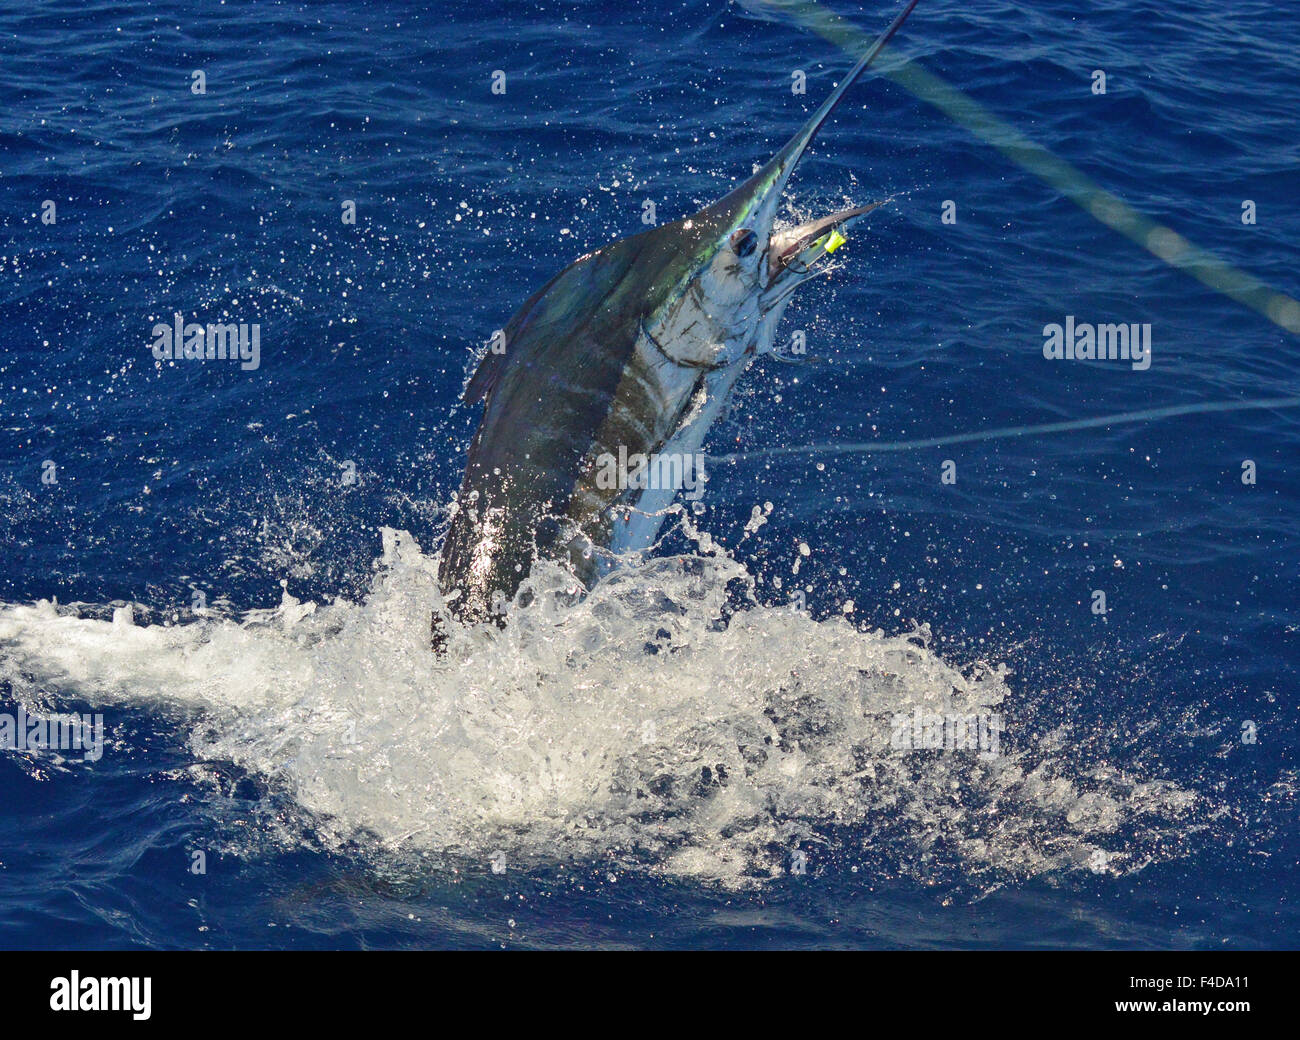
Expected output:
(630, 352)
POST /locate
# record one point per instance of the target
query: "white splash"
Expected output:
(635, 728)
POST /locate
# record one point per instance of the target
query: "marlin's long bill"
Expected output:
(625, 357)
(784, 162)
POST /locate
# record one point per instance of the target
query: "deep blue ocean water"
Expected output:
(1130, 808)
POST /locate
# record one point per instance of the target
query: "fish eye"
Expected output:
(744, 241)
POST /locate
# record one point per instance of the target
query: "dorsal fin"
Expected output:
(493, 363)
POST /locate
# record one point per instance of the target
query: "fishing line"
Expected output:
(1003, 432)
(1107, 208)
(1162, 242)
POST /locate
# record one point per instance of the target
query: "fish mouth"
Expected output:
(799, 253)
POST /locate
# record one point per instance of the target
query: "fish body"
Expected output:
(629, 353)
